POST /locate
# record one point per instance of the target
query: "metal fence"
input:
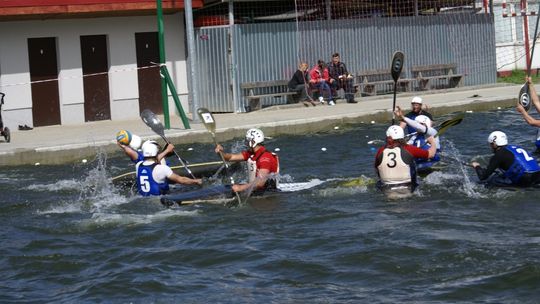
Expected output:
(271, 51)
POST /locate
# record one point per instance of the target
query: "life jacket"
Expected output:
(253, 170)
(537, 142)
(419, 140)
(523, 163)
(393, 170)
(145, 181)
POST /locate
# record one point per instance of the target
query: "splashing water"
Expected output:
(467, 186)
(98, 187)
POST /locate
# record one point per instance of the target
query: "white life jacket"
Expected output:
(253, 170)
(392, 169)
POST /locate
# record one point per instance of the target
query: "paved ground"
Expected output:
(71, 143)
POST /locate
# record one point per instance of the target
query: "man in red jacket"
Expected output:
(319, 78)
(263, 165)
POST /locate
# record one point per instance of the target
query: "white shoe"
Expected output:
(321, 100)
(331, 103)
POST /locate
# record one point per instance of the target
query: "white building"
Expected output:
(68, 64)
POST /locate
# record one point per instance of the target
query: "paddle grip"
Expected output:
(227, 168)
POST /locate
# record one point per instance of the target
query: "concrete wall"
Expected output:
(120, 31)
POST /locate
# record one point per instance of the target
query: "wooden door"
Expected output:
(44, 77)
(95, 66)
(149, 80)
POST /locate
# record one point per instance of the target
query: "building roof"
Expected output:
(53, 9)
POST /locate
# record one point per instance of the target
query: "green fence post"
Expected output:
(168, 79)
(161, 42)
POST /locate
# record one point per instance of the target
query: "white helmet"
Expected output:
(150, 148)
(498, 137)
(423, 119)
(417, 99)
(395, 132)
(135, 142)
(254, 137)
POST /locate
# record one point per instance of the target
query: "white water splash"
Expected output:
(469, 188)
(105, 219)
(62, 209)
(61, 185)
(99, 190)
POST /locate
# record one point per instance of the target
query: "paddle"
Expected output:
(440, 128)
(449, 123)
(210, 124)
(524, 97)
(397, 66)
(151, 120)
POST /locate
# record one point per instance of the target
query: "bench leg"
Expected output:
(255, 104)
(369, 90)
(423, 84)
(455, 82)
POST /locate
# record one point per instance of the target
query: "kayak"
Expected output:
(425, 168)
(223, 195)
(207, 169)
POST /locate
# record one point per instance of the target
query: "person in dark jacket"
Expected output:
(300, 81)
(340, 78)
(517, 166)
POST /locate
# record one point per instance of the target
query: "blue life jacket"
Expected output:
(410, 129)
(522, 164)
(420, 142)
(146, 184)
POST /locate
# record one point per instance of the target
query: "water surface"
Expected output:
(68, 235)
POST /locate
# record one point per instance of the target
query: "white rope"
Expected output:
(82, 76)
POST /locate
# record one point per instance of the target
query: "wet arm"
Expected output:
(482, 173)
(168, 149)
(184, 180)
(259, 182)
(433, 146)
(132, 154)
(534, 95)
(232, 157)
(528, 118)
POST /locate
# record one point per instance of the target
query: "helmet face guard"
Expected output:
(395, 132)
(254, 137)
(498, 138)
(150, 148)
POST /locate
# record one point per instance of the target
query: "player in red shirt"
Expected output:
(263, 166)
(395, 162)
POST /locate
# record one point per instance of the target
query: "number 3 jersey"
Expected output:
(395, 165)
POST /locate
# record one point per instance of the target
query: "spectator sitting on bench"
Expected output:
(319, 78)
(340, 78)
(300, 81)
(416, 109)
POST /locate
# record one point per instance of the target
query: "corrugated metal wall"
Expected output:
(213, 69)
(271, 51)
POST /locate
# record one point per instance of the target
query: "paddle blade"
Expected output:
(207, 119)
(397, 64)
(151, 120)
(524, 98)
(449, 123)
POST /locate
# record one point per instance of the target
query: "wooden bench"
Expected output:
(372, 82)
(437, 76)
(254, 91)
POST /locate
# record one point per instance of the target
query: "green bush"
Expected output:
(518, 77)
